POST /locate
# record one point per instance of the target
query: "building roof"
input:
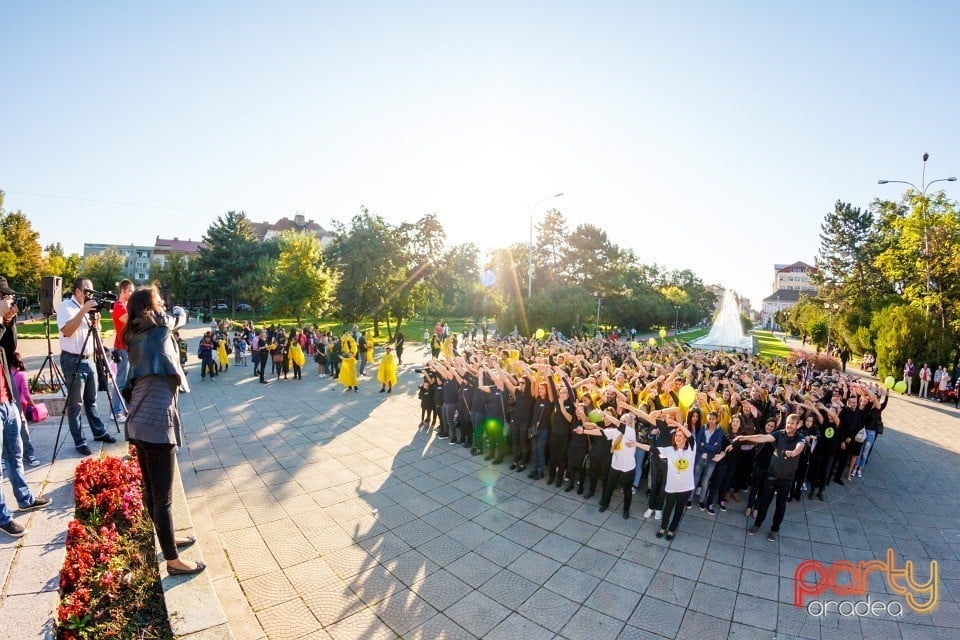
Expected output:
(785, 295)
(797, 265)
(178, 245)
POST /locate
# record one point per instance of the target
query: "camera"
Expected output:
(104, 299)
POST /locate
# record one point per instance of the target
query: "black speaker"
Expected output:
(51, 293)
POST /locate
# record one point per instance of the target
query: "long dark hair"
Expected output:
(143, 312)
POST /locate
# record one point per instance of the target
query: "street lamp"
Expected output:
(922, 190)
(676, 322)
(530, 246)
(599, 297)
(831, 309)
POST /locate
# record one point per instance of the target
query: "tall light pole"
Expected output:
(922, 190)
(530, 246)
(676, 322)
(599, 297)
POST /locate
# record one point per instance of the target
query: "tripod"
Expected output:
(56, 376)
(100, 369)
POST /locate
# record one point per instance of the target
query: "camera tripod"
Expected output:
(101, 370)
(56, 375)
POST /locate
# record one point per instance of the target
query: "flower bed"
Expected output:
(109, 583)
(817, 361)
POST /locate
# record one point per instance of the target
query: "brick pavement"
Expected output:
(328, 514)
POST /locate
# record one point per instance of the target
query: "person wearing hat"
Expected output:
(10, 443)
(74, 322)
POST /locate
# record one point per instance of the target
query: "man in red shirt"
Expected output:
(119, 314)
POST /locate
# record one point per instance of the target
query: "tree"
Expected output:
(590, 258)
(231, 252)
(56, 263)
(173, 277)
(104, 270)
(301, 284)
(364, 256)
(418, 252)
(21, 257)
(548, 254)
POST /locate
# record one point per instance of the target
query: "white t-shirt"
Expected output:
(65, 313)
(623, 458)
(679, 468)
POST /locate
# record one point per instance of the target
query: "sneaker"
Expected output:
(689, 504)
(701, 505)
(109, 439)
(859, 473)
(647, 513)
(772, 536)
(33, 461)
(121, 418)
(711, 510)
(722, 505)
(658, 515)
(13, 529)
(38, 503)
(752, 530)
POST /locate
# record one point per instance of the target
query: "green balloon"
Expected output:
(595, 416)
(889, 382)
(901, 386)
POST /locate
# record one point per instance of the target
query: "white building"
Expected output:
(790, 281)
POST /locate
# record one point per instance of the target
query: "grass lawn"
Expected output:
(35, 328)
(771, 346)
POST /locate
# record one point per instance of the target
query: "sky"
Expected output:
(712, 136)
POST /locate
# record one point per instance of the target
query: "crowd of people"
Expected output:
(704, 428)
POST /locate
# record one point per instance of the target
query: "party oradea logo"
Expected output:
(848, 581)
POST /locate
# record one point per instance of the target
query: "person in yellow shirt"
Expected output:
(387, 371)
(348, 362)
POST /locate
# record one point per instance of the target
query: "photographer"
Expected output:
(74, 318)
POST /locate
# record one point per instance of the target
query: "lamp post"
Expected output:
(831, 309)
(676, 322)
(922, 190)
(599, 297)
(530, 246)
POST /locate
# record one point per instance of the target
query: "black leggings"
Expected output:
(676, 503)
(157, 462)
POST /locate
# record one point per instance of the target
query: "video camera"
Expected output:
(104, 299)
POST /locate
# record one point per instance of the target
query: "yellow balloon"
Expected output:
(652, 342)
(540, 333)
(635, 346)
(663, 333)
(687, 395)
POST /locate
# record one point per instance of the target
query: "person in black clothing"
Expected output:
(398, 341)
(821, 458)
(520, 417)
(561, 424)
(809, 431)
(787, 446)
(849, 426)
(451, 395)
(577, 452)
(494, 411)
(540, 430)
(425, 394)
(660, 435)
(761, 462)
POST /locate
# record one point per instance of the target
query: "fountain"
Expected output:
(726, 333)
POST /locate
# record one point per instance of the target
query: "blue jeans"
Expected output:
(123, 367)
(702, 470)
(866, 449)
(539, 445)
(83, 392)
(12, 451)
(639, 455)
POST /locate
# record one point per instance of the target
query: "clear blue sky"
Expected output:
(710, 135)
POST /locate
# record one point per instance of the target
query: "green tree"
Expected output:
(590, 258)
(548, 253)
(231, 252)
(57, 263)
(301, 284)
(104, 270)
(173, 277)
(417, 252)
(21, 257)
(364, 256)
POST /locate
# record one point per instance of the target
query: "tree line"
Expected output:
(889, 282)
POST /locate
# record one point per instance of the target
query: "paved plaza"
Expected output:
(329, 514)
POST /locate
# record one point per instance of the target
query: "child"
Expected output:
(239, 350)
(387, 371)
(205, 353)
(295, 355)
(18, 374)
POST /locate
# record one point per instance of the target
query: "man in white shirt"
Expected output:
(76, 351)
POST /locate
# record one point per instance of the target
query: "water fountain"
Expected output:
(726, 333)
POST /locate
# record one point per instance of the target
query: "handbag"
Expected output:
(278, 358)
(861, 435)
(37, 412)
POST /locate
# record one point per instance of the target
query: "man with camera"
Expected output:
(75, 316)
(10, 441)
(119, 315)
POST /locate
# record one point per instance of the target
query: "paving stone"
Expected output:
(700, 626)
(670, 588)
(573, 584)
(682, 564)
(587, 623)
(758, 584)
(516, 626)
(500, 550)
(509, 589)
(713, 601)
(657, 616)
(557, 547)
(629, 575)
(592, 561)
(403, 611)
(363, 625)
(613, 600)
(268, 590)
(477, 613)
(440, 627)
(798, 622)
(725, 552)
(535, 567)
(548, 609)
(441, 589)
(610, 542)
(288, 620)
(473, 569)
(755, 611)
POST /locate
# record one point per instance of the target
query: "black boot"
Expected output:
(569, 487)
